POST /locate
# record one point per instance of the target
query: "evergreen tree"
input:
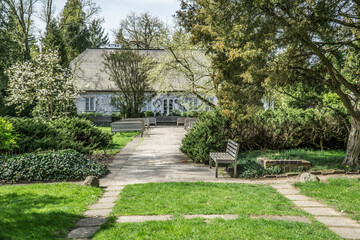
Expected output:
(97, 37)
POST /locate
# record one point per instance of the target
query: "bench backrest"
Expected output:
(152, 120)
(180, 120)
(127, 126)
(232, 148)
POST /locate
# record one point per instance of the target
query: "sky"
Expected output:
(114, 10)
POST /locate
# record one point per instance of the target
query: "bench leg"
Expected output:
(210, 162)
(235, 169)
(216, 172)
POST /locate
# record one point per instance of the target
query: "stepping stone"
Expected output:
(347, 233)
(284, 218)
(322, 211)
(288, 191)
(98, 213)
(107, 199)
(115, 188)
(308, 204)
(338, 221)
(212, 216)
(111, 194)
(297, 197)
(83, 232)
(126, 219)
(108, 205)
(91, 222)
(282, 186)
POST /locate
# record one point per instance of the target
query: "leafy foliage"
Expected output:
(61, 165)
(42, 82)
(208, 135)
(250, 169)
(7, 138)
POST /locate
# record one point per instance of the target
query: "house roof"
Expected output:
(89, 71)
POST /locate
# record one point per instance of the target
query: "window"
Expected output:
(89, 104)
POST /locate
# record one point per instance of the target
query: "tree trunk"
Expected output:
(353, 146)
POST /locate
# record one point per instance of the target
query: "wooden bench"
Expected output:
(127, 126)
(230, 156)
(144, 120)
(180, 120)
(102, 120)
(152, 121)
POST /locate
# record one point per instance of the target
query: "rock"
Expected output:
(91, 181)
(306, 177)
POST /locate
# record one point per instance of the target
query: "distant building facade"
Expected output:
(99, 89)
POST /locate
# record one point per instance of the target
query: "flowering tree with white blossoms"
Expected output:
(42, 82)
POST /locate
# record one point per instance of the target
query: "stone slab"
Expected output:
(111, 194)
(91, 222)
(338, 221)
(347, 233)
(115, 188)
(107, 199)
(108, 205)
(126, 219)
(322, 211)
(297, 197)
(308, 204)
(83, 232)
(284, 218)
(98, 213)
(282, 186)
(212, 216)
(289, 191)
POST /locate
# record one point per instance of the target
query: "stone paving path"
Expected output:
(335, 221)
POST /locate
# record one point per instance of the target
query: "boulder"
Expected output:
(306, 177)
(91, 181)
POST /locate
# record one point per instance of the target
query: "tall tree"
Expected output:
(183, 67)
(21, 14)
(97, 37)
(140, 31)
(282, 42)
(128, 72)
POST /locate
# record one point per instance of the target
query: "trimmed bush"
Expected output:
(84, 131)
(57, 166)
(149, 114)
(7, 139)
(209, 134)
(250, 169)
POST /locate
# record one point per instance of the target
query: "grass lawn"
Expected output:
(208, 198)
(320, 160)
(120, 140)
(42, 211)
(341, 193)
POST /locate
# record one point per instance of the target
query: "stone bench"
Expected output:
(229, 156)
(180, 120)
(128, 126)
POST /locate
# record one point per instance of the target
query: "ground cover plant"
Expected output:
(49, 166)
(341, 193)
(208, 198)
(42, 211)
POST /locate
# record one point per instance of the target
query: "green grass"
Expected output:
(42, 211)
(201, 198)
(120, 140)
(208, 198)
(341, 193)
(320, 159)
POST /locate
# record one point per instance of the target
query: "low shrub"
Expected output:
(39, 135)
(274, 170)
(50, 166)
(115, 117)
(7, 138)
(149, 114)
(84, 131)
(175, 112)
(250, 169)
(209, 134)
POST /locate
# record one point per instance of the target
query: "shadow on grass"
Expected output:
(32, 216)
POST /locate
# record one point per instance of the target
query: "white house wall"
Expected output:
(102, 102)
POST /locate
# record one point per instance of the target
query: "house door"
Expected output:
(168, 105)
